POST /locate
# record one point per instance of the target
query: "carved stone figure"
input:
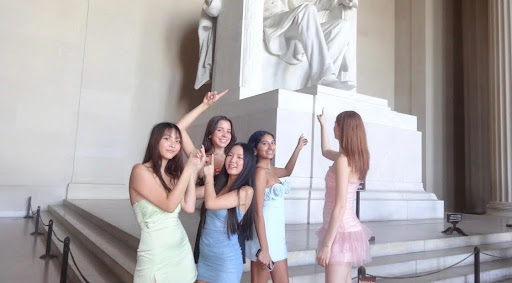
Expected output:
(316, 32)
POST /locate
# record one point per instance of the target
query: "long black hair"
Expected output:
(245, 178)
(174, 166)
(211, 127)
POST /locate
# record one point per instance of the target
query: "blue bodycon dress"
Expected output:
(220, 256)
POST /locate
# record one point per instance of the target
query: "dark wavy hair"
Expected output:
(245, 178)
(211, 127)
(256, 137)
(174, 166)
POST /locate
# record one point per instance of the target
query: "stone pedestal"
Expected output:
(394, 182)
(500, 63)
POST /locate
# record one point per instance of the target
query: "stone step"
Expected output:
(117, 256)
(121, 234)
(120, 221)
(397, 265)
(491, 271)
(89, 265)
(494, 271)
(404, 263)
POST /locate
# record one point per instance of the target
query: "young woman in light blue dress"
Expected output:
(229, 212)
(270, 245)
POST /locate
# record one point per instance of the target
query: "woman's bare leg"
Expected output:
(259, 273)
(280, 272)
(335, 272)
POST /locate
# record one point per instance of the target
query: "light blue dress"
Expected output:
(220, 256)
(273, 214)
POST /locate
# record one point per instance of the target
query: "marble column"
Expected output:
(500, 63)
(475, 69)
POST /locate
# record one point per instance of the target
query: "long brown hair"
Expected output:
(211, 127)
(174, 166)
(352, 138)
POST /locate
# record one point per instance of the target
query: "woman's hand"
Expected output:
(264, 258)
(302, 142)
(196, 159)
(321, 117)
(209, 169)
(323, 256)
(211, 97)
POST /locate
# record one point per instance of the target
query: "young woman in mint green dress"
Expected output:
(159, 188)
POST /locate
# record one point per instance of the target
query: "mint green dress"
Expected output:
(164, 253)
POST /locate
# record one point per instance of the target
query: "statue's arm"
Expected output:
(348, 3)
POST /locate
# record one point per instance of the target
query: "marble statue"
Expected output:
(314, 31)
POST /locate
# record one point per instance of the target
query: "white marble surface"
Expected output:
(394, 183)
(242, 62)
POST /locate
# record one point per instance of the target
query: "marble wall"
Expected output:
(82, 83)
(441, 65)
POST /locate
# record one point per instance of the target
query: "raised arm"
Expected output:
(188, 204)
(259, 221)
(242, 197)
(144, 182)
(288, 169)
(209, 99)
(327, 152)
(342, 174)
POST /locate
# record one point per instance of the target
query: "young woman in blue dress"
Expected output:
(270, 245)
(229, 212)
(219, 137)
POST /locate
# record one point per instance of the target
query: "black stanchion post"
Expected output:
(361, 272)
(29, 208)
(48, 242)
(358, 203)
(64, 265)
(477, 264)
(38, 218)
(362, 277)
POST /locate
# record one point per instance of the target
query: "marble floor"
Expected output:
(20, 252)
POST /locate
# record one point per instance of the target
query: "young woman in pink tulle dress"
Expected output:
(343, 240)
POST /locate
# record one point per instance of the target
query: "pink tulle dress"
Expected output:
(351, 242)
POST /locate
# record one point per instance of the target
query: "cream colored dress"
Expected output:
(164, 253)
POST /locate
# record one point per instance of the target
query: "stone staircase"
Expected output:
(104, 237)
